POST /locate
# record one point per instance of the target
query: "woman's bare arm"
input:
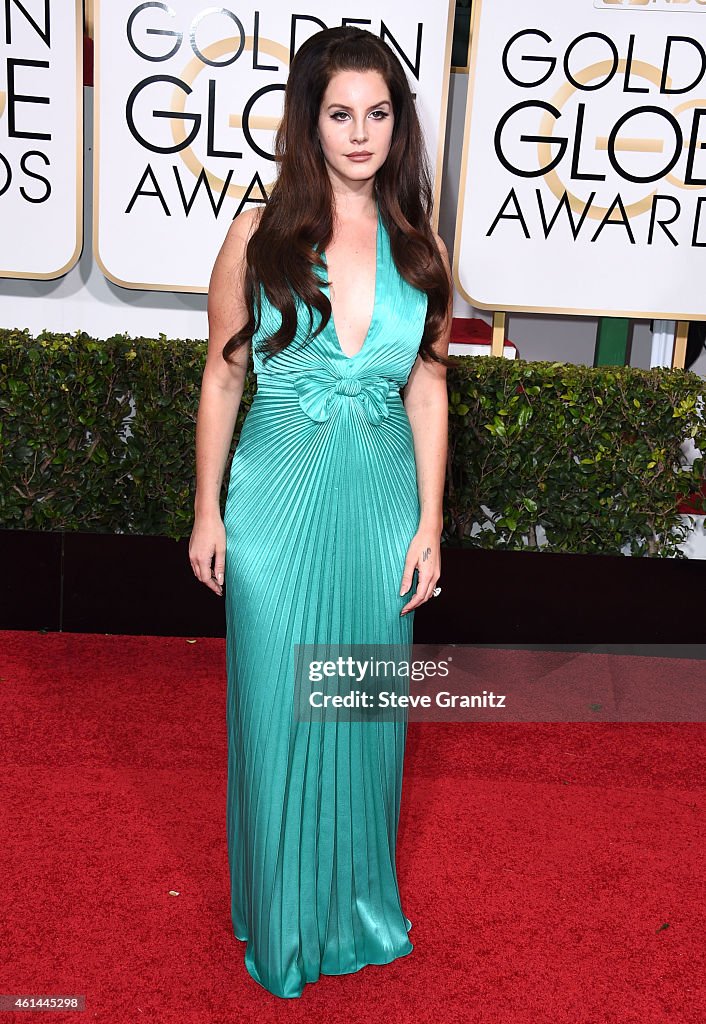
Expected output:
(221, 392)
(426, 403)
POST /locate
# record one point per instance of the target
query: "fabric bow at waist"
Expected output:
(321, 393)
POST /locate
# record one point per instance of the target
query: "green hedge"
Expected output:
(592, 456)
(73, 458)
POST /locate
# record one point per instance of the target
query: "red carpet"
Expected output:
(553, 873)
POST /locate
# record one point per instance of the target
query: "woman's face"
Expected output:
(355, 124)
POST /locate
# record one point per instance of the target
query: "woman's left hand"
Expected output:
(424, 555)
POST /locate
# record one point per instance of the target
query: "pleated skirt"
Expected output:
(318, 518)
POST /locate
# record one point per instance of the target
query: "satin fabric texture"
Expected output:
(321, 507)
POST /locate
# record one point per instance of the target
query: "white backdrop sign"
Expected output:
(41, 137)
(583, 181)
(188, 97)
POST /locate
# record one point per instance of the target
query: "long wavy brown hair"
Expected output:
(298, 216)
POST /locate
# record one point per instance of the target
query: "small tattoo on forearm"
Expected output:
(425, 554)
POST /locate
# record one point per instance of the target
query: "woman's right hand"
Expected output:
(208, 538)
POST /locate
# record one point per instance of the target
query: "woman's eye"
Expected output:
(377, 115)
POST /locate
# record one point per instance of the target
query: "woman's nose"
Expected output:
(359, 131)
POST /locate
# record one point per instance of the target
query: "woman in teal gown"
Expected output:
(333, 512)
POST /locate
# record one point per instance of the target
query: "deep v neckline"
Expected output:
(373, 316)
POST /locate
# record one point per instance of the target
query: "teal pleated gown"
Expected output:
(322, 504)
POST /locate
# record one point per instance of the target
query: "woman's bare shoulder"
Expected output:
(241, 229)
(441, 244)
(230, 261)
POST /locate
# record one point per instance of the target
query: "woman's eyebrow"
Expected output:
(342, 106)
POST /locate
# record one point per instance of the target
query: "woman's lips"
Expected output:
(359, 157)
